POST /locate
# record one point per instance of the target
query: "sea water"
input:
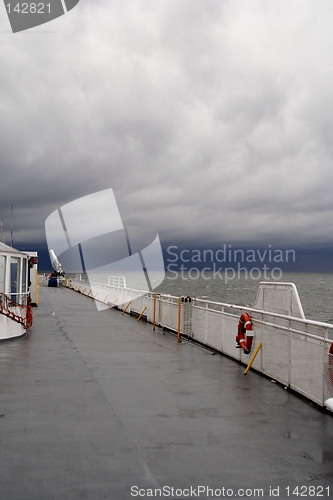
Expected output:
(315, 289)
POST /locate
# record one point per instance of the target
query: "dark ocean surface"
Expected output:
(315, 290)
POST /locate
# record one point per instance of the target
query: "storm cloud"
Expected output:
(211, 120)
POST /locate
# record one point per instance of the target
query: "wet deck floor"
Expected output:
(94, 404)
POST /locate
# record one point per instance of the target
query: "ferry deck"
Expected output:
(95, 405)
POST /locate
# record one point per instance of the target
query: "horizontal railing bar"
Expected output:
(263, 311)
(22, 293)
(165, 297)
(128, 290)
(266, 323)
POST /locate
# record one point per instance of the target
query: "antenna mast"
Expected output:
(11, 224)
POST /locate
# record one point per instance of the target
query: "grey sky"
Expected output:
(210, 119)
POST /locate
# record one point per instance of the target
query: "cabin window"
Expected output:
(15, 279)
(24, 282)
(2, 273)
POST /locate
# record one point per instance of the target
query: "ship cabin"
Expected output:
(15, 314)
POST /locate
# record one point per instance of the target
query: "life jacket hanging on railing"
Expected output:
(245, 334)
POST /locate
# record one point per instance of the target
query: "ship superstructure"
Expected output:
(15, 300)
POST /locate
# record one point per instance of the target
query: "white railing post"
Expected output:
(222, 329)
(206, 324)
(289, 356)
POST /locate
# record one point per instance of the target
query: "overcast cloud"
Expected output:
(210, 119)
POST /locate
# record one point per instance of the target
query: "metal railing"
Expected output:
(295, 351)
(117, 281)
(19, 298)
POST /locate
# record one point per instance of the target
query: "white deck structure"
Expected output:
(15, 314)
(296, 352)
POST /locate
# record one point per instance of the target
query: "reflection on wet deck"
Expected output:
(93, 403)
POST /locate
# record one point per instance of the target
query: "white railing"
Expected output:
(295, 351)
(20, 299)
(117, 281)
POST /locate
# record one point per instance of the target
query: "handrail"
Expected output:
(195, 300)
(6, 303)
(263, 311)
(125, 289)
(218, 334)
(18, 297)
